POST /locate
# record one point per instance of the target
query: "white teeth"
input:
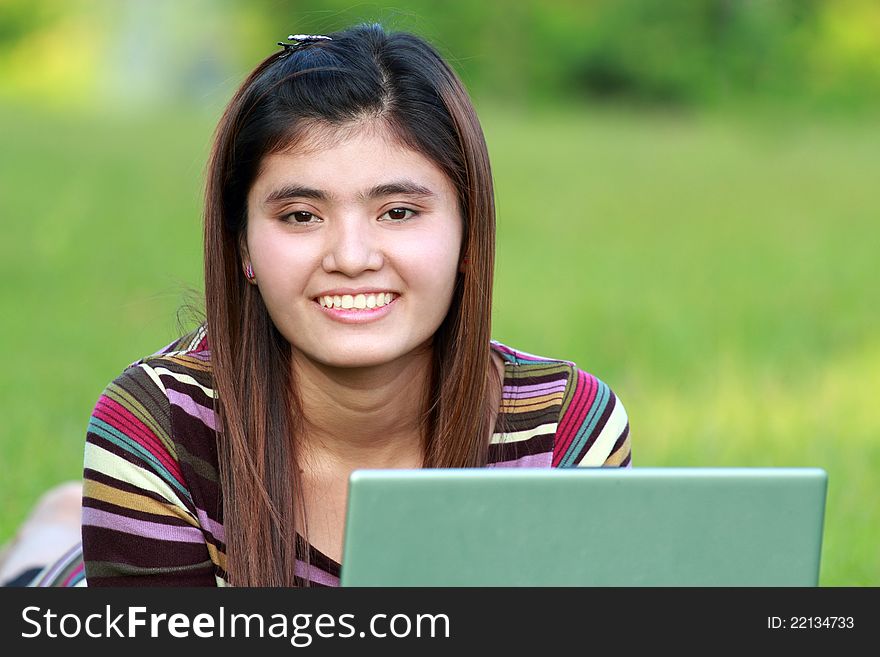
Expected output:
(359, 301)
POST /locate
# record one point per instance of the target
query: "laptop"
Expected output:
(584, 527)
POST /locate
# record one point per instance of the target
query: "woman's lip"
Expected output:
(355, 316)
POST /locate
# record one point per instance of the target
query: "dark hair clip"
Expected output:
(300, 40)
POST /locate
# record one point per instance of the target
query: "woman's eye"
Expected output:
(299, 217)
(399, 214)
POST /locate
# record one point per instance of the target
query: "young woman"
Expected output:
(349, 249)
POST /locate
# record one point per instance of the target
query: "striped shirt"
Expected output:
(152, 501)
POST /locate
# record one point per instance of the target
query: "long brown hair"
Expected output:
(362, 73)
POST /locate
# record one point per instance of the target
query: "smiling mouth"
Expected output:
(356, 301)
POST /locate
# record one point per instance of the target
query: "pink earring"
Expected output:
(249, 272)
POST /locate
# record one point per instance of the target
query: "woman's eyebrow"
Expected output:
(401, 187)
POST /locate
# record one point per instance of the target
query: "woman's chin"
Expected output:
(358, 357)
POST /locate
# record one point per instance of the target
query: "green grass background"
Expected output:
(719, 273)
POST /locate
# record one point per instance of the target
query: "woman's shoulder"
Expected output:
(591, 423)
(160, 399)
(183, 363)
(529, 361)
(530, 371)
(189, 353)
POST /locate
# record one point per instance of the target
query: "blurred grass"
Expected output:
(719, 273)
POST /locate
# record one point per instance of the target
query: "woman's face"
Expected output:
(355, 248)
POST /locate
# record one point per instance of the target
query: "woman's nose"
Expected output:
(352, 247)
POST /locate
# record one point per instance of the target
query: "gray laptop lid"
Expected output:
(584, 527)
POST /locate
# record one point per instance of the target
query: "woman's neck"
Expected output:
(364, 417)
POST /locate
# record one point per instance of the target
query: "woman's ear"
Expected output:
(246, 260)
(463, 265)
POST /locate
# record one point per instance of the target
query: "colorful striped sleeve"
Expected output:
(593, 427)
(140, 525)
(66, 572)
